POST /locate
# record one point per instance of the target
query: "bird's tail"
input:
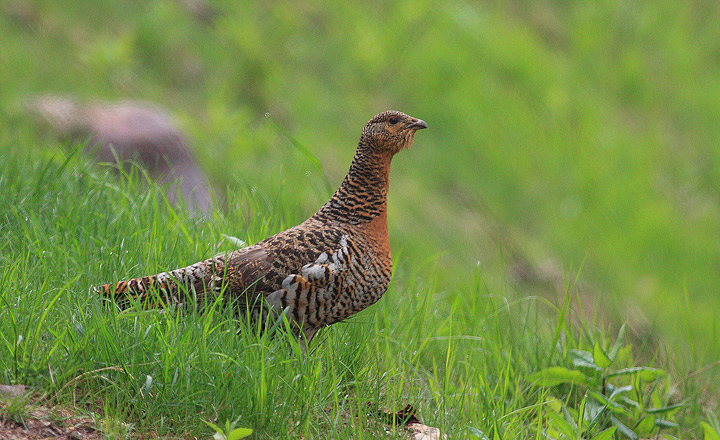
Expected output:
(192, 283)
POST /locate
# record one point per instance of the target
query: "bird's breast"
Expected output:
(376, 234)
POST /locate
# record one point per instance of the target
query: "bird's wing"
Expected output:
(241, 271)
(310, 298)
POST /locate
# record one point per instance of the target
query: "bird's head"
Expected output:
(391, 131)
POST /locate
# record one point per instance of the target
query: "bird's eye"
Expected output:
(393, 120)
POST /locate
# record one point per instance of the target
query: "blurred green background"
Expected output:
(565, 138)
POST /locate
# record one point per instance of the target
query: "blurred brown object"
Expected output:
(130, 131)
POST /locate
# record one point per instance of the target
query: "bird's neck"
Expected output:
(362, 196)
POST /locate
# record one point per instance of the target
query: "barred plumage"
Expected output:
(331, 266)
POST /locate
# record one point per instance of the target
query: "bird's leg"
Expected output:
(304, 339)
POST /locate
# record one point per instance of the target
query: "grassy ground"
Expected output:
(467, 359)
(565, 139)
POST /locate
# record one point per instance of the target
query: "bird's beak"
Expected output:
(418, 124)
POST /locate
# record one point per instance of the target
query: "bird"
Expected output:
(130, 131)
(322, 271)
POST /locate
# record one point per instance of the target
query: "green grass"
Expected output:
(567, 141)
(464, 358)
